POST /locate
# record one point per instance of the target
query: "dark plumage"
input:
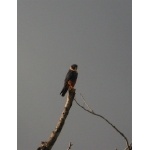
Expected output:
(70, 79)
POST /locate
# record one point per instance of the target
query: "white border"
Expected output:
(8, 74)
(141, 74)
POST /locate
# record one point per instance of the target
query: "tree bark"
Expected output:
(54, 135)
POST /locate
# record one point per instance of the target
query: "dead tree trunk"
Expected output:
(54, 135)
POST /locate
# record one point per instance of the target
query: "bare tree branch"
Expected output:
(129, 148)
(93, 113)
(54, 135)
(47, 145)
(70, 145)
(86, 103)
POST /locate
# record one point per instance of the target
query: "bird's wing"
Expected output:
(68, 76)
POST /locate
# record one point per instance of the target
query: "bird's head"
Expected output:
(74, 67)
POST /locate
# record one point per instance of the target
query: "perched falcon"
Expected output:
(70, 79)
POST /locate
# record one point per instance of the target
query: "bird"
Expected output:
(70, 79)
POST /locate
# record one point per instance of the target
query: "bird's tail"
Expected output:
(64, 91)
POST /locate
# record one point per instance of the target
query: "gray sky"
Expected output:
(54, 34)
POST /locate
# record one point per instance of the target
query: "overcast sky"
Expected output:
(96, 35)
